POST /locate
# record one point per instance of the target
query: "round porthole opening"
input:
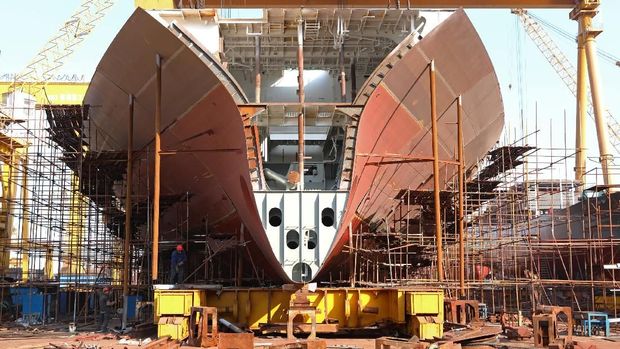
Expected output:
(302, 272)
(292, 239)
(327, 217)
(312, 239)
(275, 217)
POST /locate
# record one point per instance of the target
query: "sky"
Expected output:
(542, 98)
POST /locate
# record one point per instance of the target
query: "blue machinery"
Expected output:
(591, 323)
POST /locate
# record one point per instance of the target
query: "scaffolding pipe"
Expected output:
(302, 97)
(436, 188)
(461, 179)
(343, 77)
(157, 174)
(257, 73)
(351, 263)
(128, 211)
(25, 218)
(353, 81)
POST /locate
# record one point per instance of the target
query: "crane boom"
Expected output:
(63, 44)
(563, 67)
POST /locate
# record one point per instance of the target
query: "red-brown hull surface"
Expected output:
(205, 184)
(205, 179)
(396, 120)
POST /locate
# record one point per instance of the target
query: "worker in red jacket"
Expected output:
(177, 265)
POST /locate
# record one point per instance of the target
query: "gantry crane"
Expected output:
(568, 73)
(63, 44)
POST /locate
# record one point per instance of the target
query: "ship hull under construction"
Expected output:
(219, 188)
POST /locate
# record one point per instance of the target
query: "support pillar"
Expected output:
(128, 212)
(583, 13)
(25, 218)
(597, 103)
(157, 174)
(343, 77)
(302, 98)
(353, 81)
(257, 73)
(582, 108)
(76, 216)
(436, 187)
(461, 179)
(240, 253)
(351, 262)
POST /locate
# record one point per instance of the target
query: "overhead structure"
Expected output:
(169, 4)
(62, 45)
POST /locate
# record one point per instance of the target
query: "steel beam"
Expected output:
(128, 211)
(436, 187)
(257, 73)
(414, 4)
(302, 99)
(353, 81)
(157, 175)
(343, 76)
(25, 218)
(582, 108)
(461, 179)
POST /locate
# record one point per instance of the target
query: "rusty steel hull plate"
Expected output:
(203, 129)
(396, 119)
(202, 133)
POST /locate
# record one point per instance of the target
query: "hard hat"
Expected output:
(179, 247)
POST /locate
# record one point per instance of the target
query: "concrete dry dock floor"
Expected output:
(24, 339)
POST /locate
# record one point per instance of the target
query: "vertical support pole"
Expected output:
(240, 253)
(302, 98)
(343, 77)
(353, 81)
(75, 226)
(597, 97)
(582, 107)
(128, 212)
(583, 14)
(257, 73)
(436, 187)
(461, 179)
(351, 263)
(25, 218)
(157, 179)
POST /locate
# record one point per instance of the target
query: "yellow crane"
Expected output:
(569, 75)
(63, 44)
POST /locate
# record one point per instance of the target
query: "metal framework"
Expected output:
(530, 238)
(360, 3)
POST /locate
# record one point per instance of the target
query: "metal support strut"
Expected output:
(583, 13)
(257, 73)
(128, 209)
(461, 179)
(157, 175)
(302, 98)
(436, 187)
